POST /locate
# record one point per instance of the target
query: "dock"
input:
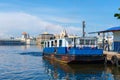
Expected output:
(113, 58)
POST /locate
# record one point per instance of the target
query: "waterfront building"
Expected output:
(11, 42)
(108, 38)
(46, 36)
(43, 37)
(64, 34)
(24, 36)
(27, 39)
(115, 38)
(31, 41)
(61, 35)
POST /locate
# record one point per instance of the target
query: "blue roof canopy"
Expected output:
(113, 29)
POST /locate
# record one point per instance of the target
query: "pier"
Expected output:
(112, 58)
(11, 42)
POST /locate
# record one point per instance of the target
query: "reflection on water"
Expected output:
(26, 63)
(17, 49)
(80, 72)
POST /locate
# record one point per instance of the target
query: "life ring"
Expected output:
(114, 60)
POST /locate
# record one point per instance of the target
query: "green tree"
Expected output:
(117, 15)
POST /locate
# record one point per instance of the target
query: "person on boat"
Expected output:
(68, 48)
(55, 46)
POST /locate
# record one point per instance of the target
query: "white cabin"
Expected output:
(71, 42)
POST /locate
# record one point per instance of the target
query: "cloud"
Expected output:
(14, 23)
(62, 19)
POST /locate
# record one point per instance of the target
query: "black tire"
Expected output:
(115, 61)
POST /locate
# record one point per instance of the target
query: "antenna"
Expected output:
(83, 23)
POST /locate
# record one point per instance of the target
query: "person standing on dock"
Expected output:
(107, 46)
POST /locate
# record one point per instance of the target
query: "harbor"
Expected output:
(26, 62)
(59, 40)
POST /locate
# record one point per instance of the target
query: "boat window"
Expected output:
(87, 42)
(45, 44)
(81, 41)
(60, 43)
(72, 39)
(51, 43)
(48, 44)
(55, 44)
(92, 42)
(69, 42)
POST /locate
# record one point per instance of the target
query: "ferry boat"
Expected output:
(72, 50)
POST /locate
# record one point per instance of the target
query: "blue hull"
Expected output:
(63, 54)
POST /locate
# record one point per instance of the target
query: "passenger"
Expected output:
(68, 48)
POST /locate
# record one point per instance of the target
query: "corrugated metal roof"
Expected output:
(113, 29)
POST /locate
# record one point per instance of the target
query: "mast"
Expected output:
(83, 24)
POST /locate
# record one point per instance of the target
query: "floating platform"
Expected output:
(112, 58)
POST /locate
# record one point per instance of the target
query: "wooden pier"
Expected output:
(113, 58)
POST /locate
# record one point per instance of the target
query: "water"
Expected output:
(26, 63)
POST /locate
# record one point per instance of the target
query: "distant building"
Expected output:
(43, 37)
(46, 36)
(11, 42)
(30, 41)
(24, 36)
(27, 39)
(61, 35)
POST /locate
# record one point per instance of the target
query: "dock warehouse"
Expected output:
(116, 37)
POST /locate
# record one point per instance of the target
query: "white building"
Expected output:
(27, 39)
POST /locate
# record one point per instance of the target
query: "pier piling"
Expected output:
(113, 58)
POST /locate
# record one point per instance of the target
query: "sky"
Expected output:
(38, 16)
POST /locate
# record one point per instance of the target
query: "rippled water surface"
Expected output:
(26, 63)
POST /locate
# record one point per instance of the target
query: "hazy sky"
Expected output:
(38, 16)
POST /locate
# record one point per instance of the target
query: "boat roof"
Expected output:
(72, 38)
(112, 29)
